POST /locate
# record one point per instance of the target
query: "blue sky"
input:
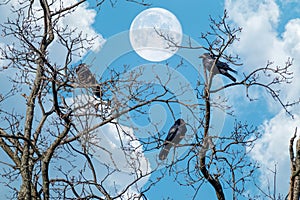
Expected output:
(271, 31)
(268, 27)
(192, 15)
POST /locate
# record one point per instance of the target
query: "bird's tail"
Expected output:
(232, 70)
(226, 67)
(164, 152)
(97, 91)
(229, 76)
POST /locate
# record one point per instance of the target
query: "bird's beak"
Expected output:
(202, 56)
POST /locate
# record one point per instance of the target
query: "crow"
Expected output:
(220, 68)
(175, 135)
(88, 80)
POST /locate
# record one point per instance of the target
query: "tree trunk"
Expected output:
(23, 191)
(297, 172)
(294, 191)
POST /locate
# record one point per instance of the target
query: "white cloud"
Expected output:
(273, 148)
(78, 22)
(291, 37)
(81, 19)
(259, 42)
(117, 147)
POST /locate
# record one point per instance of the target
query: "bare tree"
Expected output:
(53, 144)
(225, 35)
(223, 159)
(294, 191)
(46, 131)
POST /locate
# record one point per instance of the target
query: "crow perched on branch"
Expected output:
(175, 135)
(220, 68)
(88, 80)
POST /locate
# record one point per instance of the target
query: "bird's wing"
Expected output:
(225, 66)
(180, 134)
(175, 135)
(172, 132)
(225, 73)
(87, 79)
(85, 76)
(168, 142)
(182, 129)
(97, 91)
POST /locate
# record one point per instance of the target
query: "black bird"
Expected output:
(220, 68)
(175, 135)
(88, 80)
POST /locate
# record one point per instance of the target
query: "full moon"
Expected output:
(145, 31)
